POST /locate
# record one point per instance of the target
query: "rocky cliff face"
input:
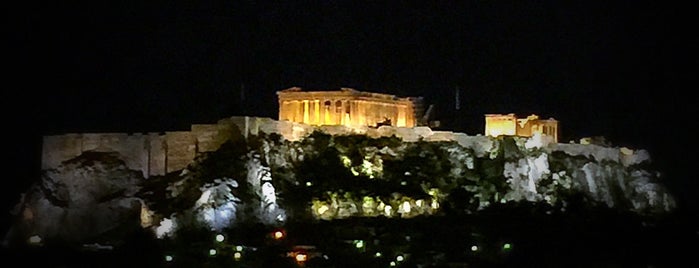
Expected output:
(87, 198)
(270, 180)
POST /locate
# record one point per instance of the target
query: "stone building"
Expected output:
(509, 124)
(348, 107)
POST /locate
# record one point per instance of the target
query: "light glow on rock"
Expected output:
(406, 207)
(166, 228)
(323, 209)
(387, 210)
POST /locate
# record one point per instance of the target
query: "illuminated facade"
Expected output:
(509, 124)
(348, 107)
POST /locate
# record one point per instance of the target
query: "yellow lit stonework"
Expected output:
(510, 125)
(347, 107)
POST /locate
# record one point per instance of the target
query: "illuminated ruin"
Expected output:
(510, 125)
(348, 107)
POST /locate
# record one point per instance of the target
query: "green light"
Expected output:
(507, 246)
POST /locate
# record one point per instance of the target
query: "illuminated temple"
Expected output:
(509, 124)
(348, 107)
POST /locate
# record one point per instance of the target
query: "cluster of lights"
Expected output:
(301, 256)
(238, 253)
(400, 258)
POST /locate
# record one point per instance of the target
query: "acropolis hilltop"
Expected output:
(337, 112)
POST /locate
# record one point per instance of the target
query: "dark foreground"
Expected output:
(508, 238)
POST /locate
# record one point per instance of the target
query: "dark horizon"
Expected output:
(614, 69)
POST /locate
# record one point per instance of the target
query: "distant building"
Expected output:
(348, 107)
(509, 124)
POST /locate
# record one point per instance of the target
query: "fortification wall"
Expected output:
(134, 149)
(158, 154)
(151, 153)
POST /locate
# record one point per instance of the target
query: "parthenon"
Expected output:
(348, 107)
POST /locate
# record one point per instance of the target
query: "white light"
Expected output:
(399, 258)
(378, 254)
(278, 235)
(301, 257)
(168, 258)
(237, 255)
(387, 210)
(474, 248)
(393, 263)
(359, 243)
(239, 248)
(406, 207)
(34, 239)
(507, 246)
(404, 183)
(212, 252)
(166, 227)
(309, 184)
(220, 238)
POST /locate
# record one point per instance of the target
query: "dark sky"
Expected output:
(603, 68)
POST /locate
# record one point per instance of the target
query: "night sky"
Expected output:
(602, 68)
